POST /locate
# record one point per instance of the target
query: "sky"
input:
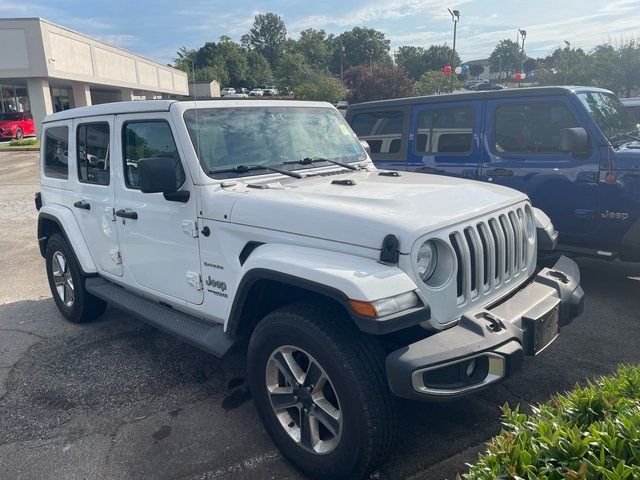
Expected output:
(158, 28)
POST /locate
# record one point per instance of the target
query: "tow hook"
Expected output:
(558, 275)
(495, 324)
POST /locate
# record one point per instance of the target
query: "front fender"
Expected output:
(70, 229)
(336, 275)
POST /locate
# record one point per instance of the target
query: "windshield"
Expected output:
(229, 137)
(9, 116)
(610, 115)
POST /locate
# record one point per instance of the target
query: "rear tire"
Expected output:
(354, 390)
(19, 133)
(66, 281)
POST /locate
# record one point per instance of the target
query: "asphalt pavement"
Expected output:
(117, 399)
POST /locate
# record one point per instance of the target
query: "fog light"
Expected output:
(471, 367)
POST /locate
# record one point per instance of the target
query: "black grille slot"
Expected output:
(459, 272)
(473, 257)
(485, 253)
(494, 233)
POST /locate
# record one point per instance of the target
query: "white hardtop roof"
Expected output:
(144, 106)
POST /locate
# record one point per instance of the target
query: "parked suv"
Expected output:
(265, 225)
(574, 151)
(16, 125)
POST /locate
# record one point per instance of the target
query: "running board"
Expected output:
(207, 336)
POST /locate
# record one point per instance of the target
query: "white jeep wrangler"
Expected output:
(265, 225)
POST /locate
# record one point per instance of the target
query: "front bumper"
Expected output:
(488, 344)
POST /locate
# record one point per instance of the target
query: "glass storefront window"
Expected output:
(60, 98)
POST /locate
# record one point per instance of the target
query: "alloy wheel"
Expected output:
(303, 399)
(62, 278)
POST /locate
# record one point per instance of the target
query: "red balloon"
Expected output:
(447, 69)
(518, 76)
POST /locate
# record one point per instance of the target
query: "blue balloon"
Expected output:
(465, 68)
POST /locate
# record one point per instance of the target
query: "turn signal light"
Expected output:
(365, 309)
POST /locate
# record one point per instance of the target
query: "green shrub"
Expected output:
(25, 142)
(592, 432)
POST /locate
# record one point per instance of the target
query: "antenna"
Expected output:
(195, 107)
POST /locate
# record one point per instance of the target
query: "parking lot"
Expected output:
(117, 399)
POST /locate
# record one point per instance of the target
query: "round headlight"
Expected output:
(426, 260)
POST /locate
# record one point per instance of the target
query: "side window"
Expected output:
(445, 130)
(92, 152)
(148, 139)
(533, 128)
(56, 152)
(382, 130)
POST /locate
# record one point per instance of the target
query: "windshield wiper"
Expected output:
(247, 168)
(310, 160)
(625, 135)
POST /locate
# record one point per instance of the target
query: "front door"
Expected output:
(444, 139)
(523, 151)
(94, 207)
(158, 236)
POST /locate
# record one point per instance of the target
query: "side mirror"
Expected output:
(574, 140)
(157, 175)
(366, 146)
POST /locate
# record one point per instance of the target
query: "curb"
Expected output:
(20, 149)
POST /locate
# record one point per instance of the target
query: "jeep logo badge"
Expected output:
(215, 284)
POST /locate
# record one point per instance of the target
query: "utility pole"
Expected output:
(523, 33)
(341, 61)
(455, 17)
(566, 62)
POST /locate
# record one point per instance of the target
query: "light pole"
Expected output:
(455, 17)
(523, 34)
(566, 62)
(342, 60)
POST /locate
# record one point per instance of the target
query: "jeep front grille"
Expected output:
(491, 252)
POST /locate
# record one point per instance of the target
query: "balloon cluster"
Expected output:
(461, 70)
(519, 76)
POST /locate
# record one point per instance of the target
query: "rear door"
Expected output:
(523, 152)
(445, 138)
(386, 130)
(94, 205)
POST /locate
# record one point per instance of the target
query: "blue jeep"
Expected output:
(574, 150)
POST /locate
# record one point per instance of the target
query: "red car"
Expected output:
(16, 125)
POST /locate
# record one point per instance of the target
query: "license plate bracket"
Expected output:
(540, 330)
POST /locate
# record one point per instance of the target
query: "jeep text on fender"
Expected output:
(266, 223)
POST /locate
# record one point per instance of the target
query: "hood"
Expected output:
(409, 206)
(627, 157)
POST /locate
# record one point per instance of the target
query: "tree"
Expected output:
(185, 59)
(437, 56)
(412, 59)
(475, 69)
(260, 72)
(377, 83)
(506, 57)
(362, 46)
(267, 35)
(234, 59)
(206, 55)
(435, 82)
(565, 66)
(314, 46)
(321, 87)
(617, 67)
(293, 70)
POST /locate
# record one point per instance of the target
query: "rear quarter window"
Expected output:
(56, 152)
(383, 131)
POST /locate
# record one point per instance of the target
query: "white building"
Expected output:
(45, 68)
(204, 89)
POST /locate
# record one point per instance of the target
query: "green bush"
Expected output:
(321, 87)
(25, 142)
(592, 432)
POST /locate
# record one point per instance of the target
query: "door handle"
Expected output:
(82, 205)
(500, 172)
(130, 214)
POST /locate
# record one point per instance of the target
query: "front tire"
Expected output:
(66, 281)
(320, 388)
(19, 133)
